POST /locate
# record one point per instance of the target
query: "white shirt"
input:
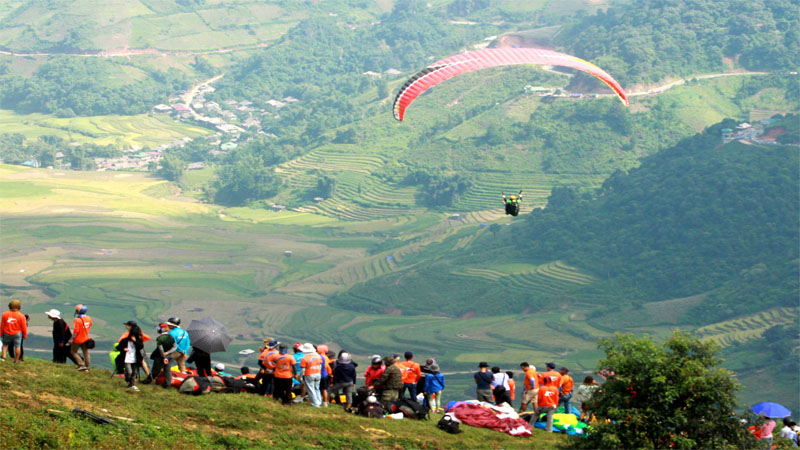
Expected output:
(500, 378)
(130, 353)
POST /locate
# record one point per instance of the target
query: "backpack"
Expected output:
(234, 386)
(449, 425)
(195, 386)
(372, 410)
(411, 409)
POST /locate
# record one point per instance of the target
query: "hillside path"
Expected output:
(672, 84)
(192, 92)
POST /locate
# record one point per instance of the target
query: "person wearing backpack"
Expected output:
(164, 344)
(434, 385)
(182, 342)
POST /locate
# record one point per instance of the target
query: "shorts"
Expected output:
(12, 340)
(324, 383)
(530, 396)
(485, 395)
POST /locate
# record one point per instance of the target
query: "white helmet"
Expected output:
(219, 367)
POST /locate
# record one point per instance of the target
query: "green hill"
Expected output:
(39, 397)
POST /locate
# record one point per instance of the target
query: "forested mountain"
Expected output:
(647, 41)
(695, 218)
(688, 220)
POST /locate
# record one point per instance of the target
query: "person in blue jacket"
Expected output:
(182, 342)
(434, 385)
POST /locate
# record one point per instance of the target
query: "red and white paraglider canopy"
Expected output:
(492, 57)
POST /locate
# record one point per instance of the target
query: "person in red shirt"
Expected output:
(567, 384)
(80, 336)
(530, 394)
(411, 373)
(512, 387)
(548, 402)
(374, 372)
(285, 371)
(13, 329)
(312, 373)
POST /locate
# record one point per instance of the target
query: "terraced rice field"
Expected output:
(747, 328)
(536, 187)
(548, 279)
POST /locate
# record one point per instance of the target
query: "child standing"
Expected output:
(434, 385)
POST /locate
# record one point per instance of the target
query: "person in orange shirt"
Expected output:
(555, 376)
(548, 402)
(531, 387)
(512, 387)
(312, 373)
(80, 336)
(285, 371)
(13, 329)
(411, 373)
(567, 384)
(265, 374)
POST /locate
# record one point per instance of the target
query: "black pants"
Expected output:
(158, 366)
(61, 354)
(283, 390)
(264, 383)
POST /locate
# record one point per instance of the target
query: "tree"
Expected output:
(171, 168)
(672, 395)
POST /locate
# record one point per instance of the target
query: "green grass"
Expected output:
(125, 131)
(39, 397)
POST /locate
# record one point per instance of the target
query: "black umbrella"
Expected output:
(209, 335)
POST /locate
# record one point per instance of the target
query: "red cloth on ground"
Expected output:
(480, 416)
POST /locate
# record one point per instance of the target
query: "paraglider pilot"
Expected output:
(512, 204)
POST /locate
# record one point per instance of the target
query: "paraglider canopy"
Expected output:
(492, 57)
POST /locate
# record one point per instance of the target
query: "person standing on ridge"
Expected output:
(13, 329)
(311, 364)
(344, 378)
(132, 345)
(325, 374)
(555, 376)
(434, 385)
(531, 387)
(284, 373)
(548, 402)
(164, 345)
(267, 368)
(391, 380)
(61, 337)
(483, 380)
(80, 337)
(182, 342)
(567, 383)
(201, 360)
(411, 373)
(512, 388)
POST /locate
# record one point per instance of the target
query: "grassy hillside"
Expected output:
(39, 397)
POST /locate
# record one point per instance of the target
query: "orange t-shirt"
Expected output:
(80, 329)
(14, 322)
(411, 371)
(512, 387)
(555, 378)
(566, 384)
(283, 366)
(312, 363)
(548, 396)
(530, 373)
(270, 358)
